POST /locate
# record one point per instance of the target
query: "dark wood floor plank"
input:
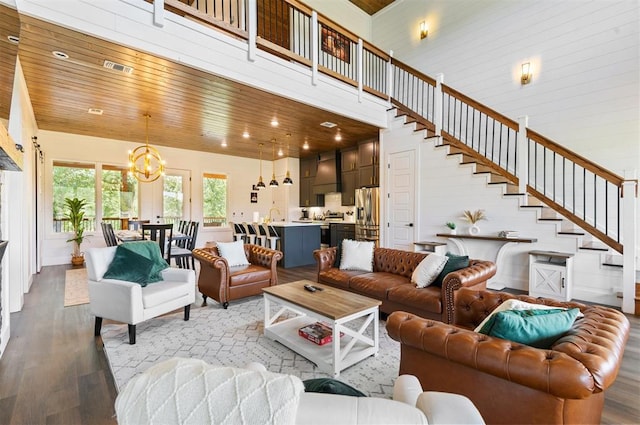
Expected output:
(55, 372)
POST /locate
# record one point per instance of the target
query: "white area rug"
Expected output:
(234, 337)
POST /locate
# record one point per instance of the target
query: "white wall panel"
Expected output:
(585, 57)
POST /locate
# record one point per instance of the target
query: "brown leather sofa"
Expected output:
(510, 382)
(390, 281)
(223, 283)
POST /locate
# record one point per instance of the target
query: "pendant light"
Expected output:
(287, 180)
(145, 163)
(260, 184)
(273, 182)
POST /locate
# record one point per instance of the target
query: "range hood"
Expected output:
(328, 174)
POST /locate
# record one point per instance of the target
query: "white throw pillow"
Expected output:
(233, 252)
(428, 270)
(518, 305)
(357, 255)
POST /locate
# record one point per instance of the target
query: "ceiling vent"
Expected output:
(95, 111)
(328, 124)
(118, 67)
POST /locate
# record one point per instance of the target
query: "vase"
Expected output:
(474, 230)
(452, 231)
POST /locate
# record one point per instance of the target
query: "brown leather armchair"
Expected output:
(223, 283)
(510, 382)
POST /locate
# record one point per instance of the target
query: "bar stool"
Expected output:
(261, 236)
(272, 236)
(238, 232)
(250, 232)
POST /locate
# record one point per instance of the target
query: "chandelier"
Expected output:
(145, 163)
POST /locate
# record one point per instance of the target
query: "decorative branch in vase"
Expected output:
(473, 218)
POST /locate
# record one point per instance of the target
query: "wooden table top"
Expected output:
(332, 302)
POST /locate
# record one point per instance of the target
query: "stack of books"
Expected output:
(318, 332)
(511, 234)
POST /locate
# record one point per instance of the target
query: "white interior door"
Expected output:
(401, 200)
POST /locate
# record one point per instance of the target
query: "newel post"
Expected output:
(359, 73)
(390, 76)
(314, 48)
(630, 241)
(522, 165)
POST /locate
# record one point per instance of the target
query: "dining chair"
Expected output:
(137, 224)
(184, 247)
(161, 233)
(109, 235)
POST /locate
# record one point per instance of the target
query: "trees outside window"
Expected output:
(73, 180)
(214, 197)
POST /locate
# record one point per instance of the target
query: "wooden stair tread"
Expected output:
(612, 265)
(592, 247)
(531, 206)
(549, 219)
(565, 232)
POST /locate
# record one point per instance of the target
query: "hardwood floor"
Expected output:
(55, 372)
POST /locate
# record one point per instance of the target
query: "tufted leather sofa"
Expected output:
(223, 283)
(390, 281)
(511, 382)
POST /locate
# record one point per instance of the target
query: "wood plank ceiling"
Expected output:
(9, 27)
(371, 6)
(189, 108)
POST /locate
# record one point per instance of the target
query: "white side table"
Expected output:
(551, 274)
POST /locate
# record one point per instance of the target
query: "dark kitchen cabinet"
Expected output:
(308, 167)
(308, 171)
(340, 231)
(349, 176)
(368, 163)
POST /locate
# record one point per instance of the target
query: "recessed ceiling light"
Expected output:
(245, 134)
(95, 111)
(60, 55)
(13, 39)
(306, 145)
(274, 122)
(280, 152)
(223, 143)
(328, 124)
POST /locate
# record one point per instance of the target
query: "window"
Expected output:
(73, 180)
(119, 195)
(214, 197)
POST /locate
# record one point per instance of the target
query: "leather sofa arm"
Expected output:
(474, 276)
(209, 258)
(583, 362)
(325, 258)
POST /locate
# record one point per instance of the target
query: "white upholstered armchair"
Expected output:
(130, 302)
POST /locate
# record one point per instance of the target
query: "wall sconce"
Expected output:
(19, 147)
(424, 30)
(525, 78)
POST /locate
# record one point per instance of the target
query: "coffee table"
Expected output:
(336, 307)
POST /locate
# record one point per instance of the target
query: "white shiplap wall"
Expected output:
(585, 92)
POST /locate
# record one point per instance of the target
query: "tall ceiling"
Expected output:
(188, 108)
(371, 6)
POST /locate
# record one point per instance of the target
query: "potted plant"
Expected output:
(75, 215)
(473, 218)
(452, 227)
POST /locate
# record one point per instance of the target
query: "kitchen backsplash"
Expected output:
(332, 202)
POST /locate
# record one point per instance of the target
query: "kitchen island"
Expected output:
(297, 242)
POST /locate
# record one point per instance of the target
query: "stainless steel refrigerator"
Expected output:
(368, 214)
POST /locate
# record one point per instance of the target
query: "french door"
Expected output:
(169, 198)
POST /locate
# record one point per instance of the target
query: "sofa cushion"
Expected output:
(330, 386)
(428, 270)
(131, 267)
(357, 255)
(455, 262)
(242, 275)
(338, 278)
(163, 292)
(233, 252)
(377, 284)
(538, 328)
(425, 299)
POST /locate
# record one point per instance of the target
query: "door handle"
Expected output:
(409, 225)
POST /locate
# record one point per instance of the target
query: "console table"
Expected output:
(458, 241)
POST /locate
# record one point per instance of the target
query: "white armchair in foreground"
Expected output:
(131, 302)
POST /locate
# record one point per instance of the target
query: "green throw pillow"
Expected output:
(330, 386)
(455, 262)
(536, 328)
(129, 266)
(151, 251)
